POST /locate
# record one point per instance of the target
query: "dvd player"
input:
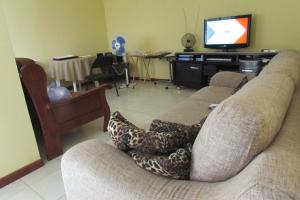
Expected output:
(219, 59)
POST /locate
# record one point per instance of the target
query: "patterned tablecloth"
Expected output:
(71, 70)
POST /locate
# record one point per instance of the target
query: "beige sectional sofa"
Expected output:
(248, 148)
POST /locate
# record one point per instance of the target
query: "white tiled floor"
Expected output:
(140, 105)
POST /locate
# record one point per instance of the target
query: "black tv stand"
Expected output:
(224, 50)
(195, 69)
(229, 50)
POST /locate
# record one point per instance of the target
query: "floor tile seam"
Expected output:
(49, 174)
(33, 190)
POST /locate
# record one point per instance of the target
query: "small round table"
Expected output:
(74, 70)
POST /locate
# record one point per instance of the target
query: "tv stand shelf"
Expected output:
(194, 69)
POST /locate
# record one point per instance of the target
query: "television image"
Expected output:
(227, 32)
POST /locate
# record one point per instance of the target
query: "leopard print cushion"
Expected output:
(164, 150)
(117, 127)
(176, 165)
(187, 134)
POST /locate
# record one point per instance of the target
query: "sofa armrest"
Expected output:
(260, 191)
(227, 79)
(96, 170)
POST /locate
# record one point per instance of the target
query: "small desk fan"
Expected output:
(188, 41)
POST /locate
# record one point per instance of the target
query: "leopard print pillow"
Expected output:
(117, 127)
(126, 136)
(186, 133)
(176, 165)
(164, 150)
(163, 137)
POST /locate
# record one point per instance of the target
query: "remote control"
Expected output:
(213, 106)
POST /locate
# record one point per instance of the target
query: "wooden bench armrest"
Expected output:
(78, 110)
(99, 90)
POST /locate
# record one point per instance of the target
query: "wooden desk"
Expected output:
(145, 58)
(136, 59)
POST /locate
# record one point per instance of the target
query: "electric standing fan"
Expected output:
(188, 41)
(118, 45)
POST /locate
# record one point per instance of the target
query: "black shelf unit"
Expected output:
(194, 70)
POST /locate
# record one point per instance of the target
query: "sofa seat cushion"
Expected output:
(213, 94)
(228, 79)
(189, 112)
(241, 127)
(196, 107)
(286, 62)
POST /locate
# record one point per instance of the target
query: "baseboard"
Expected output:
(20, 173)
(152, 79)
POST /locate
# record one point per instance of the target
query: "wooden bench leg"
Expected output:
(105, 110)
(53, 145)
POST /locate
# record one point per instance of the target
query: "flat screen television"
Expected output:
(227, 32)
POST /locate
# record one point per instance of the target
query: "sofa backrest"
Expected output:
(286, 62)
(244, 125)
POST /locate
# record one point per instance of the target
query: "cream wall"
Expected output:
(39, 30)
(48, 28)
(17, 142)
(158, 25)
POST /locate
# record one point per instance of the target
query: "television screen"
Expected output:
(227, 32)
